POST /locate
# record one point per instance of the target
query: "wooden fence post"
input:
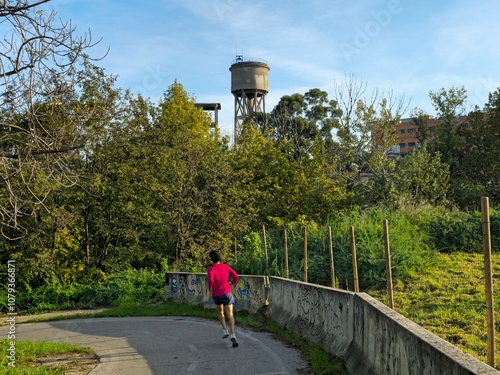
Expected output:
(305, 254)
(265, 249)
(286, 255)
(490, 309)
(354, 261)
(332, 267)
(390, 293)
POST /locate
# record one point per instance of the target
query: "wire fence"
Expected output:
(324, 255)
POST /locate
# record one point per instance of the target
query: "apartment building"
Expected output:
(408, 135)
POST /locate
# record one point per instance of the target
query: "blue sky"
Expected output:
(410, 47)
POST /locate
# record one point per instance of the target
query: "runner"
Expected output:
(218, 284)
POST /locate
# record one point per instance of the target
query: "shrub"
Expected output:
(453, 230)
(140, 286)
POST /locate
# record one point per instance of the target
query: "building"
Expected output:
(408, 134)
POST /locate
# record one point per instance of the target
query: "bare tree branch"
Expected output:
(41, 123)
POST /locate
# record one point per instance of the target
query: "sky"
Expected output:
(404, 47)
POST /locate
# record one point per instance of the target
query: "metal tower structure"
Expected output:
(211, 107)
(249, 85)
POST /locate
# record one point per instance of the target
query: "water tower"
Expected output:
(249, 86)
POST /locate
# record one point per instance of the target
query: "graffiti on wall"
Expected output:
(189, 288)
(318, 313)
(193, 289)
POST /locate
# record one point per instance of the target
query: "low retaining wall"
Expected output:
(251, 292)
(371, 338)
(314, 312)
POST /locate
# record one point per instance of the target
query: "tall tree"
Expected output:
(421, 119)
(191, 179)
(51, 246)
(301, 121)
(293, 156)
(482, 153)
(37, 70)
(448, 138)
(363, 159)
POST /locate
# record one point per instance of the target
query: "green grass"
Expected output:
(448, 299)
(28, 355)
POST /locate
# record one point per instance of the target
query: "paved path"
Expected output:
(168, 345)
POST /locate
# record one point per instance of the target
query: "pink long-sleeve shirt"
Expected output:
(218, 279)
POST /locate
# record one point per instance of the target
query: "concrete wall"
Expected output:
(251, 292)
(314, 312)
(371, 338)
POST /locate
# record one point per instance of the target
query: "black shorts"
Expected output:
(225, 299)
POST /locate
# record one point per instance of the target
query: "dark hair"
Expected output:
(214, 256)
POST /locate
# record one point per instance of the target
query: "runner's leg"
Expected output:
(230, 316)
(220, 312)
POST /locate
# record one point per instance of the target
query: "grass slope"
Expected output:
(448, 299)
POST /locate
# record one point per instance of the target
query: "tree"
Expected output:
(422, 178)
(301, 121)
(288, 159)
(448, 139)
(38, 73)
(192, 181)
(58, 239)
(420, 119)
(364, 137)
(360, 116)
(482, 154)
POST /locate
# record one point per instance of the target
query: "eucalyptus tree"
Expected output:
(282, 163)
(302, 121)
(38, 56)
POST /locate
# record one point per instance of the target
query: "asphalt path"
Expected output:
(168, 345)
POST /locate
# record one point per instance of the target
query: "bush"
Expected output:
(409, 249)
(452, 231)
(140, 286)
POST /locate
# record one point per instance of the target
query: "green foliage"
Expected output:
(410, 249)
(136, 286)
(454, 231)
(250, 257)
(422, 178)
(157, 186)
